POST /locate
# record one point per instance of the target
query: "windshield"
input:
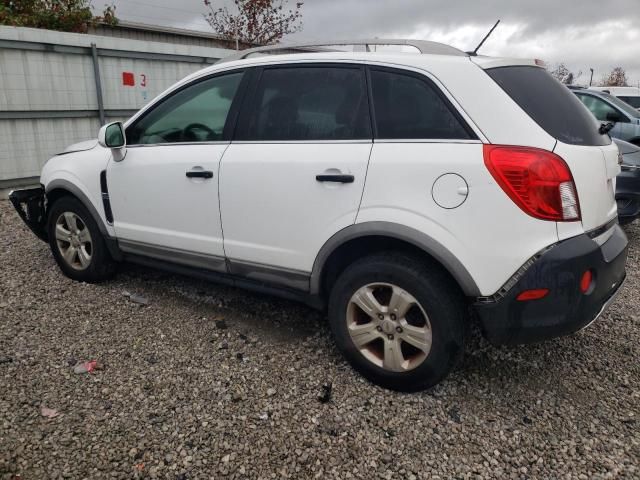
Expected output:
(625, 107)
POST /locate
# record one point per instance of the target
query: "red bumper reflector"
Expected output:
(585, 281)
(534, 294)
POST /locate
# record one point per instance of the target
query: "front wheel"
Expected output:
(398, 320)
(76, 242)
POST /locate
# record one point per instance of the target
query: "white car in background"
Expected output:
(630, 95)
(399, 192)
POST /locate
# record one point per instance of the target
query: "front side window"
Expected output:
(307, 104)
(407, 107)
(599, 108)
(196, 113)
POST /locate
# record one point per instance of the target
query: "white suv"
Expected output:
(407, 194)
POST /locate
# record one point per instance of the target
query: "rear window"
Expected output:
(550, 104)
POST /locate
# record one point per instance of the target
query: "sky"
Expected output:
(583, 34)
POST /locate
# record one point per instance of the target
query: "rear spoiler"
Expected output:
(494, 62)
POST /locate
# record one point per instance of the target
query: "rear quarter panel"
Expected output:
(488, 233)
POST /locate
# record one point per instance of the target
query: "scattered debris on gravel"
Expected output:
(207, 381)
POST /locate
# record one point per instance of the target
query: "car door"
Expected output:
(294, 174)
(164, 193)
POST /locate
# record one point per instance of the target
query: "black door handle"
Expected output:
(335, 178)
(199, 174)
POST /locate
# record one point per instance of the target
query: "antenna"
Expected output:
(475, 52)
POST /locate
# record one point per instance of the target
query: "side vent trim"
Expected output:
(105, 197)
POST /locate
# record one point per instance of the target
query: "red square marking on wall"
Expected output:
(128, 79)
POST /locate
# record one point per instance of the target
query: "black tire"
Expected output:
(437, 295)
(101, 266)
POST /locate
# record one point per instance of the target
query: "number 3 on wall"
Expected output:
(143, 80)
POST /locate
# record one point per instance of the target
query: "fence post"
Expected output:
(96, 73)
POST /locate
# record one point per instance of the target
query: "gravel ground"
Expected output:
(210, 382)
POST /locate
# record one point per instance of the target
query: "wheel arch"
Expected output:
(369, 237)
(60, 187)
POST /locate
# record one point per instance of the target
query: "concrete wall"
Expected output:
(49, 97)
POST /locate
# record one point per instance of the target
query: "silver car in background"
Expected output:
(630, 95)
(607, 108)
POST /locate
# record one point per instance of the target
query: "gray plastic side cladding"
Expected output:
(398, 232)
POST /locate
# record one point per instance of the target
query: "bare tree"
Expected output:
(564, 75)
(256, 22)
(617, 78)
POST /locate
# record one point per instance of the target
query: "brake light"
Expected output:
(538, 181)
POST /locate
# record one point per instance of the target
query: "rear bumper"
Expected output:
(30, 205)
(565, 309)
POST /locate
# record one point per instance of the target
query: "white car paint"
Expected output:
(274, 213)
(186, 219)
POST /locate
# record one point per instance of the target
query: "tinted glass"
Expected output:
(600, 109)
(309, 103)
(633, 101)
(196, 114)
(550, 104)
(407, 107)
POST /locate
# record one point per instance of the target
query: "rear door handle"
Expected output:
(335, 178)
(199, 174)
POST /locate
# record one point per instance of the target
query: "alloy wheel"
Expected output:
(74, 241)
(389, 327)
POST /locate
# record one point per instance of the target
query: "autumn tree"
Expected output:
(564, 75)
(617, 78)
(255, 22)
(65, 15)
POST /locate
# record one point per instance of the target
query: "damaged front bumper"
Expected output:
(30, 205)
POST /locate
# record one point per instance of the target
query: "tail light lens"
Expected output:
(538, 181)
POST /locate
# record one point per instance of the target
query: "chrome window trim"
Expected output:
(426, 140)
(143, 145)
(276, 142)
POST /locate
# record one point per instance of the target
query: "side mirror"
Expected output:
(613, 117)
(112, 136)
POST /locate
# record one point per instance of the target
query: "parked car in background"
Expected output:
(628, 182)
(607, 108)
(630, 95)
(398, 192)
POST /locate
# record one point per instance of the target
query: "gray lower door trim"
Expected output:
(173, 255)
(268, 274)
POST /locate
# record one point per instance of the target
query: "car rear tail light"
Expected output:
(534, 294)
(538, 181)
(585, 281)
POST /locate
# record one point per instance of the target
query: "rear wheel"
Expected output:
(398, 321)
(76, 242)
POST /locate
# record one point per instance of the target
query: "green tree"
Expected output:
(255, 22)
(64, 15)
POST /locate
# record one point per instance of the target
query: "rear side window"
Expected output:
(307, 104)
(408, 107)
(633, 101)
(550, 104)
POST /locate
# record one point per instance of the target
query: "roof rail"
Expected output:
(423, 46)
